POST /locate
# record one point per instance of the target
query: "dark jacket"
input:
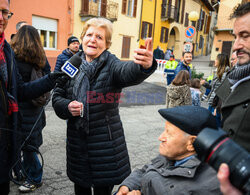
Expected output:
(101, 157)
(182, 66)
(62, 58)
(161, 178)
(235, 111)
(29, 112)
(21, 91)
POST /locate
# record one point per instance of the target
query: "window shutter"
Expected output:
(126, 47)
(203, 18)
(85, 7)
(183, 11)
(175, 11)
(103, 8)
(162, 33)
(124, 6)
(135, 8)
(142, 29)
(205, 25)
(186, 20)
(150, 30)
(166, 35)
(208, 24)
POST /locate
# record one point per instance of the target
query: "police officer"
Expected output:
(169, 69)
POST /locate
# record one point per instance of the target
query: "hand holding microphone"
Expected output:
(69, 69)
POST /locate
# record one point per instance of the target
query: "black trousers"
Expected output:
(79, 190)
(4, 188)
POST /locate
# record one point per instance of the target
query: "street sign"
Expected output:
(188, 47)
(189, 31)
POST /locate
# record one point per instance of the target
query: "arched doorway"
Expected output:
(174, 42)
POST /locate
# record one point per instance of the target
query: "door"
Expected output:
(226, 47)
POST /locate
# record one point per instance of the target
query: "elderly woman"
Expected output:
(97, 154)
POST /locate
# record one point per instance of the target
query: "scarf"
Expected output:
(12, 103)
(239, 73)
(82, 86)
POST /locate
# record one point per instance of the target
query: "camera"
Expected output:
(214, 147)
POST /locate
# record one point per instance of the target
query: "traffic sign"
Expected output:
(190, 31)
(188, 47)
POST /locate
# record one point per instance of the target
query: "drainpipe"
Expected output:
(154, 23)
(139, 36)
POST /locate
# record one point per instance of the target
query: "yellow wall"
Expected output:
(77, 27)
(149, 15)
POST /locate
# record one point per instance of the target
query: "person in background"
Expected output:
(12, 91)
(170, 66)
(234, 59)
(195, 92)
(167, 54)
(223, 66)
(176, 170)
(18, 26)
(185, 64)
(158, 53)
(29, 54)
(73, 48)
(209, 80)
(97, 155)
(178, 92)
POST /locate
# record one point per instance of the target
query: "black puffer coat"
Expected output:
(101, 157)
(29, 112)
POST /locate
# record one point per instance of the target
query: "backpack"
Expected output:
(43, 99)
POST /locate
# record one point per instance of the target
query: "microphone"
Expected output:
(71, 66)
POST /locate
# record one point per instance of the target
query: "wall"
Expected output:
(61, 10)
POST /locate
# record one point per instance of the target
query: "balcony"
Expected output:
(107, 9)
(168, 12)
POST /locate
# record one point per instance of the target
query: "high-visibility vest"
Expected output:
(171, 65)
(191, 66)
(210, 78)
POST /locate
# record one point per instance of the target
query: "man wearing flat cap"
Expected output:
(73, 48)
(176, 170)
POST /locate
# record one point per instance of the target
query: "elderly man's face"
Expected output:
(242, 39)
(175, 144)
(4, 5)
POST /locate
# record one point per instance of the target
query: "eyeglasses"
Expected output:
(6, 14)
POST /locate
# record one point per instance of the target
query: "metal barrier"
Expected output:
(161, 65)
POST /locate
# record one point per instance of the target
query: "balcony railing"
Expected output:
(108, 9)
(168, 12)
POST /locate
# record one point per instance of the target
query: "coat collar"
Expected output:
(165, 167)
(230, 98)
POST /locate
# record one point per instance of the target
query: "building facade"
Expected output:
(125, 15)
(223, 39)
(53, 19)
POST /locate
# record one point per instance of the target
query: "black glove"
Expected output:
(55, 76)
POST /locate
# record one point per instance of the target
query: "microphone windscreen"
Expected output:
(76, 61)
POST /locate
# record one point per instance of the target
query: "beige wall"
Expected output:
(225, 9)
(126, 26)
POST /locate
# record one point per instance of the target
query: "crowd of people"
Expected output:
(97, 155)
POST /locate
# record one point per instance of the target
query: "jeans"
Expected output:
(79, 190)
(32, 166)
(217, 117)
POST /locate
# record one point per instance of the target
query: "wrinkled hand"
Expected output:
(225, 186)
(75, 108)
(123, 190)
(144, 57)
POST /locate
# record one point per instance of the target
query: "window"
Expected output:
(186, 20)
(126, 47)
(146, 30)
(129, 7)
(164, 35)
(47, 29)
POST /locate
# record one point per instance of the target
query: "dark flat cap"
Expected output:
(191, 119)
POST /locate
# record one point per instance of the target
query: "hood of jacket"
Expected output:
(175, 91)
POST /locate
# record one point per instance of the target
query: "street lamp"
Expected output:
(193, 16)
